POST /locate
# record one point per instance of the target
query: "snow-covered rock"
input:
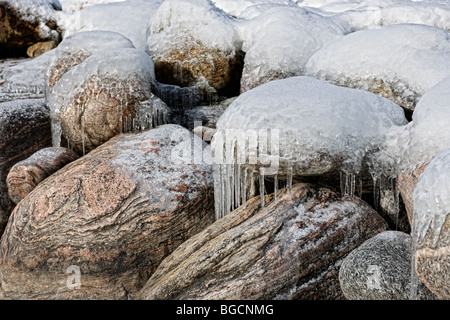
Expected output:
(400, 62)
(279, 42)
(301, 124)
(194, 44)
(431, 226)
(130, 18)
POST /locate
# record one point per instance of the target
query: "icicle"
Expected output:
(244, 187)
(289, 180)
(261, 186)
(396, 193)
(414, 281)
(237, 185)
(56, 132)
(376, 193)
(83, 138)
(275, 186)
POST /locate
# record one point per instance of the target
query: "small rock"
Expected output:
(40, 48)
(380, 269)
(25, 175)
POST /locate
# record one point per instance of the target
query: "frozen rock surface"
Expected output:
(418, 59)
(298, 126)
(290, 249)
(431, 226)
(279, 42)
(130, 18)
(96, 99)
(380, 269)
(113, 214)
(192, 52)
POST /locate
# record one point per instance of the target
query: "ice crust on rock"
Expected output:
(236, 7)
(130, 18)
(26, 76)
(279, 42)
(36, 10)
(75, 5)
(75, 48)
(121, 64)
(431, 197)
(298, 126)
(408, 59)
(415, 144)
(198, 18)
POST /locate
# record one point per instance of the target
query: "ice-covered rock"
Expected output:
(99, 98)
(26, 22)
(298, 126)
(290, 249)
(279, 42)
(400, 62)
(195, 44)
(113, 214)
(372, 13)
(75, 48)
(410, 148)
(130, 18)
(431, 226)
(380, 269)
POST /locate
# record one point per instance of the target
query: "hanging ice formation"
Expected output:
(294, 128)
(243, 160)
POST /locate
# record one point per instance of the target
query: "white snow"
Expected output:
(432, 198)
(281, 40)
(130, 18)
(236, 7)
(409, 58)
(36, 10)
(75, 5)
(177, 22)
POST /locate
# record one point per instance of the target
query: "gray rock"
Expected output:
(380, 269)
